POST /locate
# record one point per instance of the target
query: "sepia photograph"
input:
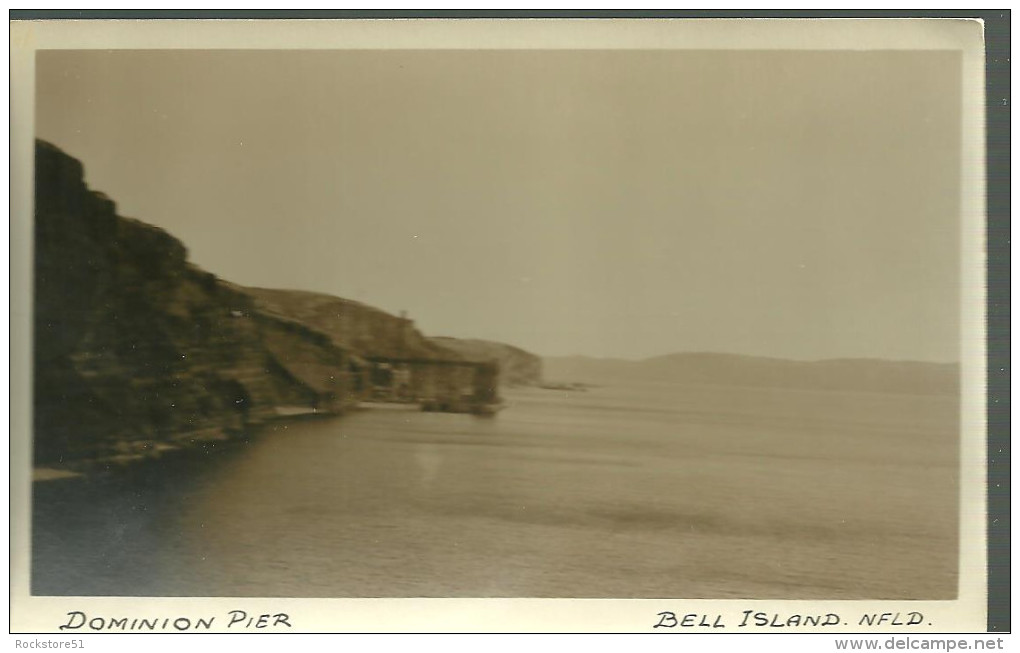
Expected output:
(445, 320)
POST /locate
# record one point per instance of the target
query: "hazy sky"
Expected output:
(789, 204)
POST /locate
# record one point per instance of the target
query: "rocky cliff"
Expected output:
(517, 367)
(136, 350)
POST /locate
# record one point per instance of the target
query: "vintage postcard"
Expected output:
(498, 326)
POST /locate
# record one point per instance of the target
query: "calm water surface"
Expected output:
(649, 490)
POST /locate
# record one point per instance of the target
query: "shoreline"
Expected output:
(137, 453)
(133, 454)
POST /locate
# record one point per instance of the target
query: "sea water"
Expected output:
(637, 490)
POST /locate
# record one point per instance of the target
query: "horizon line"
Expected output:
(758, 356)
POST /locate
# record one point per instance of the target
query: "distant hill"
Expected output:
(517, 367)
(365, 330)
(368, 331)
(869, 375)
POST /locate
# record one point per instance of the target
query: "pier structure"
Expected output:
(441, 385)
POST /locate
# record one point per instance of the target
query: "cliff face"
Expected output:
(136, 349)
(517, 367)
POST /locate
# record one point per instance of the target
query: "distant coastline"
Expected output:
(842, 374)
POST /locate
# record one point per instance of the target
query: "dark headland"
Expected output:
(138, 352)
